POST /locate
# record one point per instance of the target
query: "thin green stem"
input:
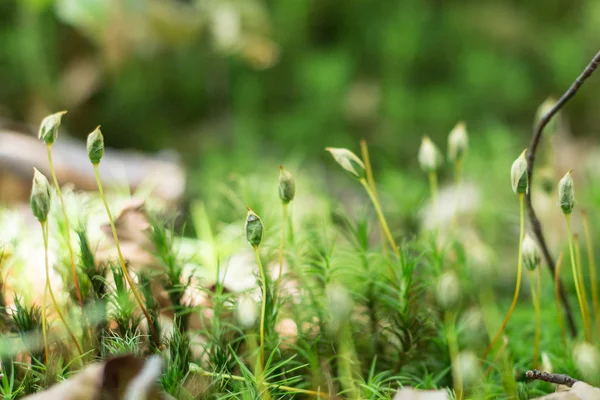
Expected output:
(457, 187)
(592, 267)
(458, 171)
(433, 187)
(561, 323)
(519, 275)
(586, 308)
(137, 297)
(539, 297)
(44, 322)
(538, 324)
(67, 225)
(49, 287)
(284, 218)
(575, 276)
(452, 340)
(364, 152)
(499, 354)
(263, 309)
(380, 216)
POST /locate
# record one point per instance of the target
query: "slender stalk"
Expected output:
(575, 276)
(458, 171)
(586, 307)
(539, 297)
(433, 187)
(67, 225)
(347, 363)
(592, 268)
(561, 323)
(263, 308)
(44, 323)
(457, 186)
(519, 275)
(382, 220)
(49, 287)
(137, 297)
(538, 322)
(364, 152)
(284, 218)
(499, 354)
(452, 340)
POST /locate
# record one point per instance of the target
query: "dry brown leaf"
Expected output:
(125, 377)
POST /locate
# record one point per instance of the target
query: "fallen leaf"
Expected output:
(120, 378)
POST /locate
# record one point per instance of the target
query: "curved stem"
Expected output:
(263, 308)
(584, 297)
(49, 287)
(592, 267)
(519, 274)
(499, 354)
(457, 186)
(563, 331)
(284, 218)
(380, 216)
(137, 297)
(364, 152)
(538, 324)
(67, 225)
(433, 187)
(575, 276)
(45, 323)
(453, 349)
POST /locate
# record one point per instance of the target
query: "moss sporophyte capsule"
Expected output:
(531, 255)
(458, 142)
(287, 186)
(40, 196)
(95, 146)
(49, 127)
(518, 175)
(566, 193)
(254, 228)
(430, 157)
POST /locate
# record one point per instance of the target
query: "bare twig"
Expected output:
(536, 227)
(559, 379)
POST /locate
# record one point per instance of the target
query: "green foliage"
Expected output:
(388, 72)
(352, 318)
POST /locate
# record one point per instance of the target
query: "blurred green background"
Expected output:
(274, 77)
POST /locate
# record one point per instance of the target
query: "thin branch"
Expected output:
(559, 379)
(536, 226)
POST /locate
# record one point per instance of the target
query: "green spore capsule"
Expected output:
(254, 228)
(566, 193)
(287, 186)
(49, 127)
(40, 196)
(95, 146)
(518, 175)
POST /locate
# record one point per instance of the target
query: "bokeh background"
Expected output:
(227, 83)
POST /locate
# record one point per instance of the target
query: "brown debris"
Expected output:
(117, 378)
